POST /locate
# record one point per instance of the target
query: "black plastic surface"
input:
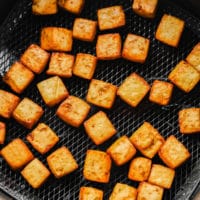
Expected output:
(22, 28)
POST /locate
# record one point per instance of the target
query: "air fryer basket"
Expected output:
(22, 28)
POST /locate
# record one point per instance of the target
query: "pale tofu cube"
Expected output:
(133, 89)
(84, 29)
(2, 132)
(52, 90)
(111, 17)
(61, 65)
(85, 65)
(56, 39)
(27, 113)
(99, 128)
(35, 173)
(97, 166)
(61, 162)
(122, 150)
(184, 76)
(108, 46)
(90, 193)
(101, 93)
(173, 153)
(18, 77)
(136, 48)
(170, 30)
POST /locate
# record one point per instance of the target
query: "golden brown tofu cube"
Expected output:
(184, 76)
(18, 77)
(35, 58)
(161, 92)
(73, 6)
(99, 128)
(16, 154)
(108, 46)
(61, 162)
(61, 64)
(2, 132)
(73, 111)
(136, 48)
(194, 57)
(101, 93)
(56, 39)
(139, 169)
(97, 166)
(35, 173)
(52, 90)
(189, 120)
(122, 150)
(84, 29)
(27, 113)
(90, 193)
(123, 191)
(169, 30)
(44, 7)
(145, 8)
(42, 138)
(8, 103)
(85, 65)
(133, 89)
(161, 176)
(111, 17)
(147, 140)
(173, 153)
(147, 191)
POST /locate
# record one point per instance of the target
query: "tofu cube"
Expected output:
(18, 77)
(194, 57)
(149, 191)
(84, 29)
(16, 154)
(61, 64)
(35, 173)
(108, 46)
(2, 132)
(133, 89)
(99, 128)
(147, 140)
(101, 93)
(27, 113)
(139, 169)
(97, 166)
(35, 58)
(161, 176)
(73, 111)
(123, 191)
(85, 65)
(61, 162)
(169, 30)
(122, 150)
(56, 39)
(42, 138)
(8, 103)
(90, 193)
(44, 7)
(184, 76)
(73, 6)
(173, 153)
(145, 8)
(161, 92)
(111, 17)
(189, 120)
(136, 48)
(52, 90)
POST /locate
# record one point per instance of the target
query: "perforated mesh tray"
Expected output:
(22, 28)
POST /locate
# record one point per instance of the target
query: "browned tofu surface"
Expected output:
(73, 6)
(90, 193)
(2, 132)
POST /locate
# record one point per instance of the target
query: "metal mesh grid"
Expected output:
(22, 29)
